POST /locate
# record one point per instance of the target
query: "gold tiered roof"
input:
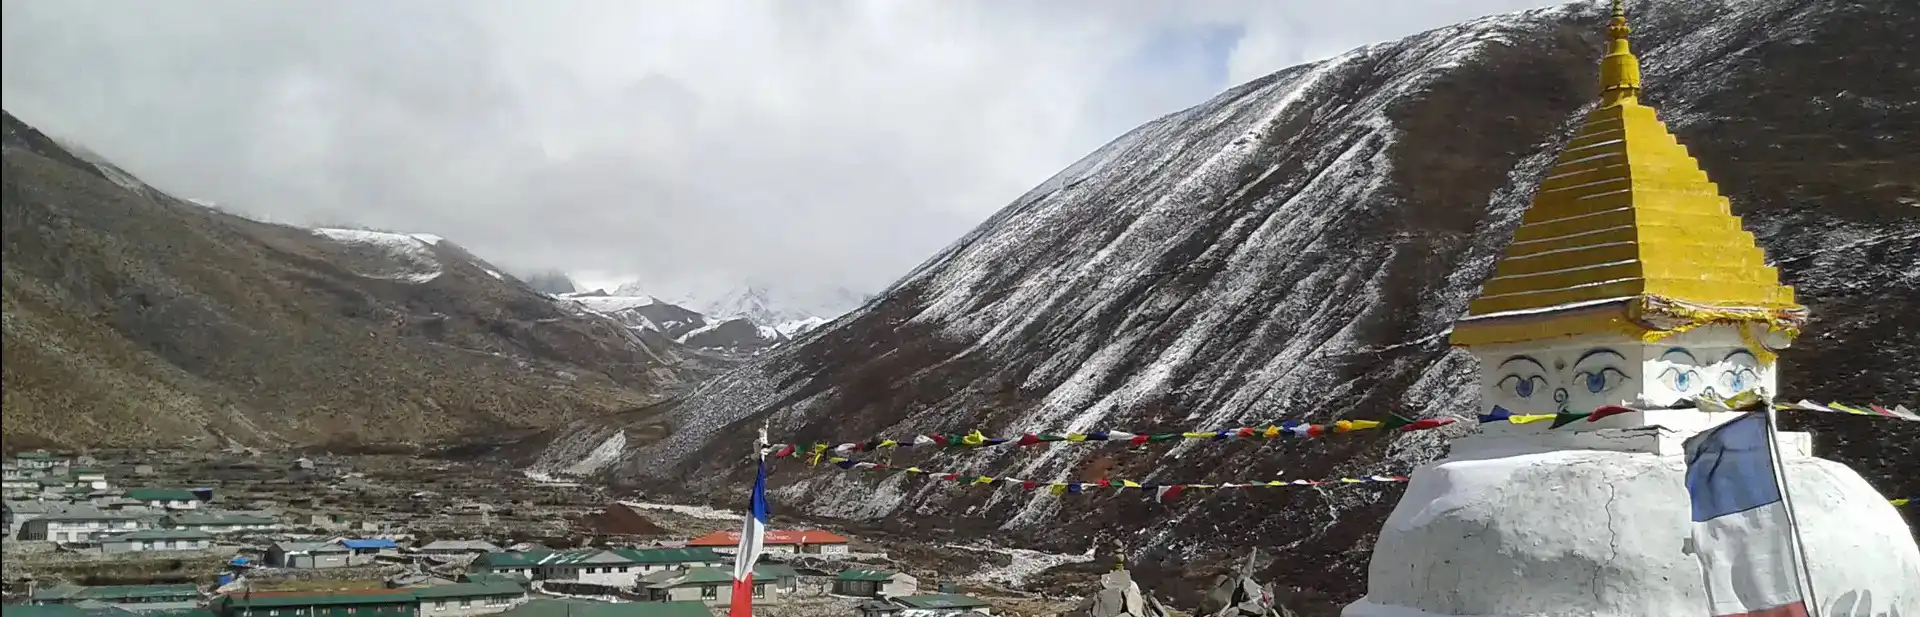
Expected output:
(1626, 234)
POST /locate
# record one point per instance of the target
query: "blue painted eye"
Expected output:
(1522, 386)
(1681, 380)
(1601, 380)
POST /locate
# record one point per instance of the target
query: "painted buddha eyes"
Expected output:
(1599, 381)
(1523, 387)
(1739, 379)
(1681, 380)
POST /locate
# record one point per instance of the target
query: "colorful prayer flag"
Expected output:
(752, 534)
(1742, 531)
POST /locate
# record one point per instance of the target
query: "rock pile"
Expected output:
(1119, 596)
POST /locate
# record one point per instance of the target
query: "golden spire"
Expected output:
(1619, 70)
(1626, 235)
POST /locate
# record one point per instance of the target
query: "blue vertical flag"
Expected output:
(1742, 530)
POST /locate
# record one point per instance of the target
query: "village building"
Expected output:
(807, 541)
(593, 567)
(16, 513)
(93, 479)
(649, 560)
(1630, 300)
(221, 522)
(714, 585)
(39, 459)
(454, 548)
(356, 603)
(935, 605)
(77, 524)
(581, 608)
(148, 540)
(307, 555)
(468, 599)
(165, 498)
(136, 598)
(364, 551)
(873, 583)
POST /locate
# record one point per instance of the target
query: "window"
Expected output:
(440, 606)
(760, 590)
(466, 603)
(351, 610)
(710, 592)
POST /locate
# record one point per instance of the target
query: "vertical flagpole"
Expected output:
(1803, 577)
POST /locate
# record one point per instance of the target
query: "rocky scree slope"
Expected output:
(136, 319)
(1297, 248)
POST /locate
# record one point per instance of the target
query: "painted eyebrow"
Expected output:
(1595, 352)
(1543, 367)
(1682, 351)
(1740, 352)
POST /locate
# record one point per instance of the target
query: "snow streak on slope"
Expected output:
(408, 258)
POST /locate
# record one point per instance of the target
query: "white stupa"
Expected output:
(1629, 283)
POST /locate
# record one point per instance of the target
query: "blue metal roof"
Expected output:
(370, 543)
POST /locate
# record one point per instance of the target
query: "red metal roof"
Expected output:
(774, 538)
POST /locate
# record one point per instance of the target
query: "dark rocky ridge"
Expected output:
(136, 319)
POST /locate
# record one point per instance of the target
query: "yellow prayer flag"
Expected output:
(1352, 480)
(888, 443)
(1197, 435)
(914, 470)
(1271, 432)
(1057, 488)
(1129, 484)
(974, 438)
(1361, 425)
(983, 480)
(1531, 418)
(1900, 502)
(1076, 437)
(1343, 426)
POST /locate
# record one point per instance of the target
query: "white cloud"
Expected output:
(819, 141)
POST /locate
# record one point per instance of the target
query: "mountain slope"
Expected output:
(1296, 249)
(136, 319)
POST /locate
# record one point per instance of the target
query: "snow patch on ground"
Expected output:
(699, 512)
(411, 256)
(1025, 565)
(603, 455)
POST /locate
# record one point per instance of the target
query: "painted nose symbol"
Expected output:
(1560, 395)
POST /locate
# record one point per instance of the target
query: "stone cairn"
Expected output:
(1238, 595)
(1119, 596)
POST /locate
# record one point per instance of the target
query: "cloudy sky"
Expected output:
(814, 142)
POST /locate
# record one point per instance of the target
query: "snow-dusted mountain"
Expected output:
(682, 325)
(787, 310)
(1296, 249)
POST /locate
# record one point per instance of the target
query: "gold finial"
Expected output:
(1619, 70)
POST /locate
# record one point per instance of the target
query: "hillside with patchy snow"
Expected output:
(1296, 249)
(135, 319)
(736, 336)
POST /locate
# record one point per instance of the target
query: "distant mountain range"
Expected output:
(746, 318)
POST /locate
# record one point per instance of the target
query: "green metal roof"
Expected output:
(112, 593)
(50, 610)
(160, 494)
(689, 577)
(941, 600)
(285, 599)
(164, 534)
(495, 577)
(865, 574)
(575, 608)
(671, 555)
(469, 590)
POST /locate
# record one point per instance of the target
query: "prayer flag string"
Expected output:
(975, 439)
(1160, 491)
(1502, 414)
